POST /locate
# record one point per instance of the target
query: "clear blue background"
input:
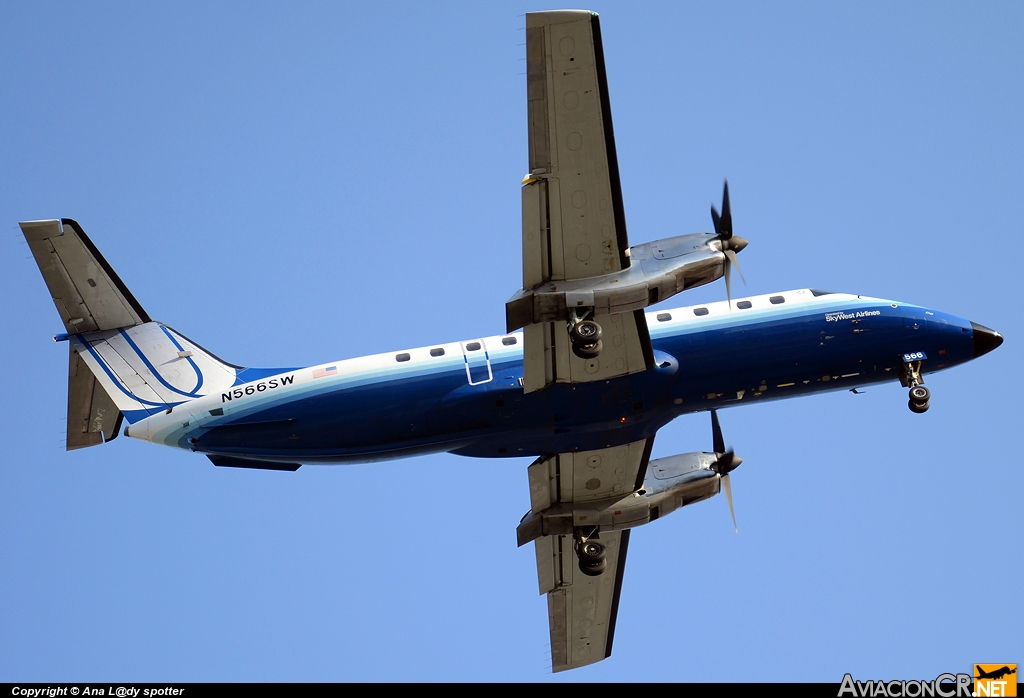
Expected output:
(291, 184)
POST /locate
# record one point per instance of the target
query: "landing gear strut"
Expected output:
(591, 553)
(584, 334)
(920, 396)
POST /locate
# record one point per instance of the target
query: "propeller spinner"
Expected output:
(731, 244)
(727, 459)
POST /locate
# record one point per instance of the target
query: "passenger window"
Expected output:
(402, 357)
(775, 300)
(664, 317)
(743, 305)
(473, 346)
(438, 351)
(508, 341)
(700, 311)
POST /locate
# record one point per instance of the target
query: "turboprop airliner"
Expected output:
(582, 379)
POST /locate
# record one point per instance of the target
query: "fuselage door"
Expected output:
(478, 362)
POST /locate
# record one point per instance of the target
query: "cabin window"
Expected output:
(743, 305)
(775, 300)
(700, 311)
(664, 317)
(473, 346)
(437, 351)
(404, 356)
(508, 341)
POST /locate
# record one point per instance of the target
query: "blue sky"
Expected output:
(292, 185)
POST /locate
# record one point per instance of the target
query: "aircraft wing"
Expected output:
(582, 609)
(574, 226)
(581, 225)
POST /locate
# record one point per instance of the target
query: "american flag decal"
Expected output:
(324, 372)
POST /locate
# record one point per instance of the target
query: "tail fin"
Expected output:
(149, 368)
(142, 366)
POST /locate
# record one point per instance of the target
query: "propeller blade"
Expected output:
(731, 256)
(716, 219)
(728, 286)
(716, 433)
(727, 486)
(726, 230)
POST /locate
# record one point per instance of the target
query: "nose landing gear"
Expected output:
(920, 396)
(585, 335)
(591, 553)
(919, 399)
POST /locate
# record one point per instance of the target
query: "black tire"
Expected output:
(587, 351)
(593, 570)
(920, 394)
(585, 332)
(919, 407)
(591, 552)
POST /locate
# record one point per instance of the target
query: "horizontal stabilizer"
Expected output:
(87, 292)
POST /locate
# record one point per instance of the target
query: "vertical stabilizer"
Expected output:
(121, 363)
(149, 368)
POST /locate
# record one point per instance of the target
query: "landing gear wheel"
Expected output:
(585, 332)
(919, 393)
(591, 552)
(587, 351)
(919, 407)
(593, 570)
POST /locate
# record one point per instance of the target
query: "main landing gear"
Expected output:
(920, 396)
(591, 553)
(585, 335)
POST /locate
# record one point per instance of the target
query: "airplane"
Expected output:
(996, 673)
(582, 379)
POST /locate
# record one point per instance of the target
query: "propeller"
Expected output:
(727, 460)
(731, 244)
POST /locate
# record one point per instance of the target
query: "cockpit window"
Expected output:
(818, 292)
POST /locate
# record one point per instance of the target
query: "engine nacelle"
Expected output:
(671, 483)
(657, 271)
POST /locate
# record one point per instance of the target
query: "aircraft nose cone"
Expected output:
(737, 243)
(985, 340)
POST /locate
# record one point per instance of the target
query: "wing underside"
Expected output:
(573, 220)
(581, 608)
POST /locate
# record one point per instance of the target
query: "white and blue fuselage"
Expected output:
(467, 397)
